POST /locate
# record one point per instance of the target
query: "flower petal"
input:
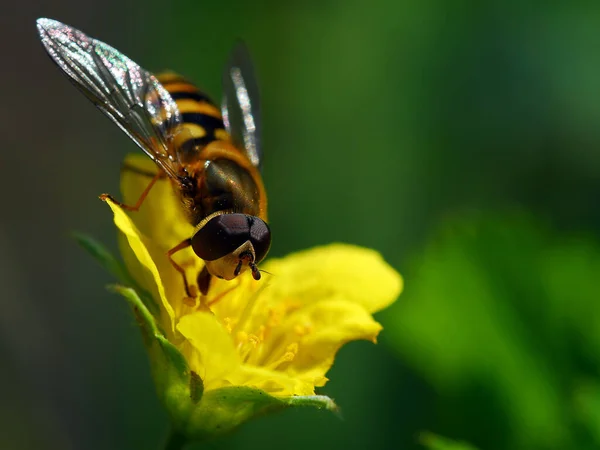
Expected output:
(162, 223)
(137, 245)
(314, 334)
(161, 216)
(273, 382)
(208, 348)
(357, 274)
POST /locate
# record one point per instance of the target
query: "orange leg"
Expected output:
(189, 292)
(137, 205)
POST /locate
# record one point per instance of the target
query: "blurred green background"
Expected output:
(460, 139)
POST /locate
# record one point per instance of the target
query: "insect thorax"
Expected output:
(222, 185)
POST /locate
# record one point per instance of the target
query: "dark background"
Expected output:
(460, 139)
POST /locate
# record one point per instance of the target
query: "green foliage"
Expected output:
(505, 313)
(432, 441)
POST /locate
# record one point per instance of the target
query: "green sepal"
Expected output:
(222, 410)
(196, 387)
(114, 266)
(170, 370)
(433, 441)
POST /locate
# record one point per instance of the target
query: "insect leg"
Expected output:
(137, 205)
(204, 280)
(189, 292)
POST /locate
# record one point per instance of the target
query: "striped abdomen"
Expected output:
(201, 118)
(226, 179)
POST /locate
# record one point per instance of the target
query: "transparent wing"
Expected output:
(241, 103)
(129, 95)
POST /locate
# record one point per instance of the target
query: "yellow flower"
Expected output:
(248, 347)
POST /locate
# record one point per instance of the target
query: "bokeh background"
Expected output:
(460, 139)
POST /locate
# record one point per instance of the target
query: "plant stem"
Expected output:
(175, 441)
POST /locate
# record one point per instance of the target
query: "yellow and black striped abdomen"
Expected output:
(201, 117)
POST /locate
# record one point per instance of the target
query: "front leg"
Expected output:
(191, 291)
(138, 204)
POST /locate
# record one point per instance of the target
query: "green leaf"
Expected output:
(502, 314)
(114, 266)
(434, 442)
(153, 336)
(587, 406)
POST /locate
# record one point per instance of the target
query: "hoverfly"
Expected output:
(211, 156)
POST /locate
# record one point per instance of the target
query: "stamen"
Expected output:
(246, 343)
(293, 347)
(254, 340)
(288, 356)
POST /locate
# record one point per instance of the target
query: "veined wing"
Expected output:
(241, 104)
(129, 95)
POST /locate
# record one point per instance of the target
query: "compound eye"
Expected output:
(220, 236)
(260, 236)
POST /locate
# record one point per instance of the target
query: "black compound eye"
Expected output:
(260, 236)
(220, 236)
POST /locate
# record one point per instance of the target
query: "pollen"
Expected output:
(254, 340)
(228, 324)
(292, 348)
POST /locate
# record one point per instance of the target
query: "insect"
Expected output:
(212, 156)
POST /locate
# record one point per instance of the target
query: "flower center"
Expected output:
(266, 343)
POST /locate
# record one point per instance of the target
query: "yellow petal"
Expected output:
(315, 333)
(274, 383)
(354, 273)
(137, 245)
(163, 223)
(208, 349)
(161, 216)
